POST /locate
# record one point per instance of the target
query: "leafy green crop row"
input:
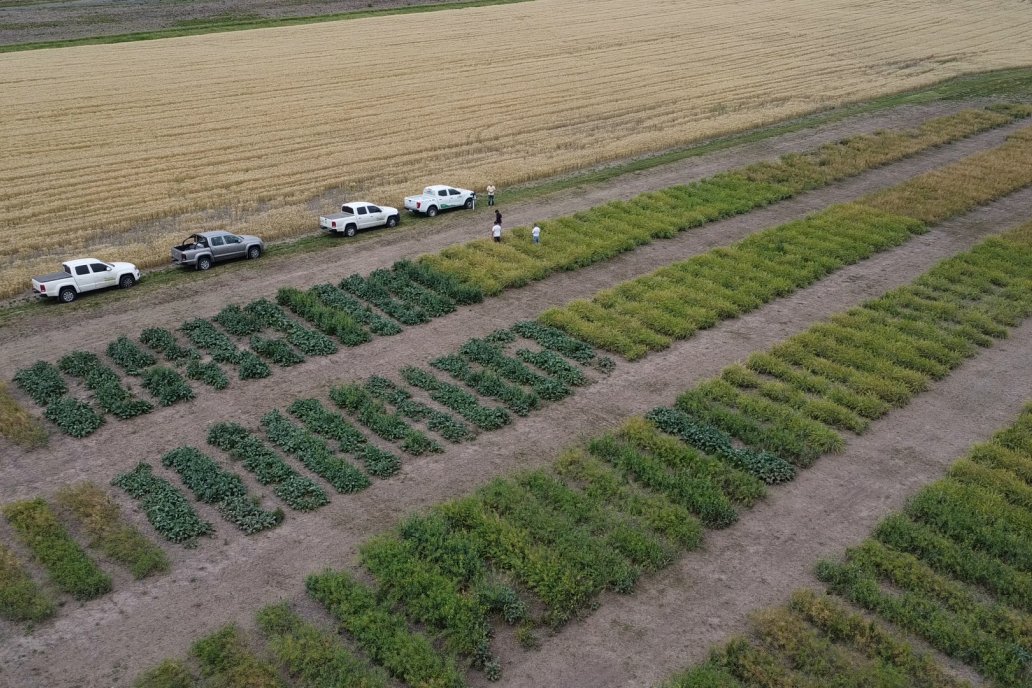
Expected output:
(296, 490)
(213, 485)
(446, 425)
(167, 509)
(222, 349)
(104, 383)
(378, 463)
(334, 297)
(167, 385)
(129, 356)
(457, 399)
(333, 322)
(374, 415)
(313, 453)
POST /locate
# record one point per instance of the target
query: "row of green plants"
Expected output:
(796, 399)
(203, 335)
(214, 485)
(167, 509)
(105, 384)
(951, 568)
(313, 453)
(651, 312)
(70, 569)
(378, 462)
(298, 491)
(605, 231)
(373, 414)
(401, 399)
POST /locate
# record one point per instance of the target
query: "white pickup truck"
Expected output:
(358, 216)
(440, 197)
(85, 274)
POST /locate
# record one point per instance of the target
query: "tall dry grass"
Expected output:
(117, 150)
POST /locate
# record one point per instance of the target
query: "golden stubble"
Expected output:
(118, 150)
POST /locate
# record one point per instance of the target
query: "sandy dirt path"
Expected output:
(228, 578)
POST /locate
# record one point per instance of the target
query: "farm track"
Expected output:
(228, 579)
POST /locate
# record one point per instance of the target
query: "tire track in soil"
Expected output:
(229, 578)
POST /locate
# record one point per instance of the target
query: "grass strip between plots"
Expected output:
(952, 569)
(21, 598)
(651, 312)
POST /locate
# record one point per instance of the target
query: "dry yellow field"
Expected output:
(117, 150)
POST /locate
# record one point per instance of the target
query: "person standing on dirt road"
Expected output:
(490, 194)
(496, 232)
(535, 234)
(498, 217)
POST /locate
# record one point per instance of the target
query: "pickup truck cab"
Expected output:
(354, 217)
(440, 197)
(202, 250)
(84, 274)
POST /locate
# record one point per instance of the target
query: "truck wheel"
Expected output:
(67, 295)
(349, 230)
(431, 211)
(203, 263)
(392, 221)
(126, 281)
(254, 252)
(468, 204)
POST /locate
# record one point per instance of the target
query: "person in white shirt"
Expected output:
(536, 234)
(490, 194)
(496, 232)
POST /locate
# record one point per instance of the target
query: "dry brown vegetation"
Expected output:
(110, 151)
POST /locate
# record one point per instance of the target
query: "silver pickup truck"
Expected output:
(202, 250)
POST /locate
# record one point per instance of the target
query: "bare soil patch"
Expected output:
(632, 640)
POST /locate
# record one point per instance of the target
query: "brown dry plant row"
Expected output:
(118, 149)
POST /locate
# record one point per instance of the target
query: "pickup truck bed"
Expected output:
(53, 276)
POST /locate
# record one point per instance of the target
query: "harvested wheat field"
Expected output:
(117, 150)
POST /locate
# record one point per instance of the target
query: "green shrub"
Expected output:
(164, 342)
